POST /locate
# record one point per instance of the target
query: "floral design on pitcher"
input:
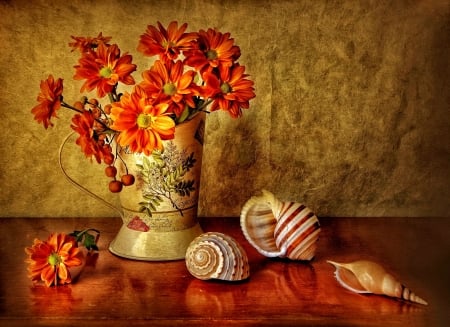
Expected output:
(138, 224)
(164, 177)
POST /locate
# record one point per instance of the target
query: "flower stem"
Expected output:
(68, 106)
(80, 234)
(204, 105)
(123, 161)
(90, 242)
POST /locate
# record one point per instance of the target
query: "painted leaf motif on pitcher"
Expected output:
(164, 177)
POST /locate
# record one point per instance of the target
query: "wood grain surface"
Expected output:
(114, 291)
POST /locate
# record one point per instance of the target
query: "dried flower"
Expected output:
(85, 44)
(90, 139)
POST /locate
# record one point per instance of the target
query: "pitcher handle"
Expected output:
(79, 186)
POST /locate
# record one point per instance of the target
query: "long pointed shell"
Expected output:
(280, 229)
(217, 256)
(369, 277)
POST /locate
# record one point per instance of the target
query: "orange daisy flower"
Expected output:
(49, 101)
(214, 50)
(141, 125)
(168, 82)
(91, 141)
(168, 44)
(231, 92)
(85, 44)
(49, 260)
(104, 68)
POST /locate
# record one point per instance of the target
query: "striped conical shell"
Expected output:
(280, 229)
(216, 255)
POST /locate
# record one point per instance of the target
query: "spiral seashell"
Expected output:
(369, 277)
(217, 256)
(280, 229)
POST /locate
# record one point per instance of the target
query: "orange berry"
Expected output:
(96, 113)
(111, 171)
(107, 109)
(108, 159)
(93, 103)
(97, 125)
(127, 179)
(78, 105)
(115, 186)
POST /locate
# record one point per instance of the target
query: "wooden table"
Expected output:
(113, 291)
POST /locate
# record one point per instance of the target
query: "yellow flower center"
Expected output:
(54, 259)
(211, 54)
(225, 88)
(106, 72)
(144, 121)
(169, 89)
(167, 44)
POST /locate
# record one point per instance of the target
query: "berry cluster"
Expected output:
(116, 185)
(92, 125)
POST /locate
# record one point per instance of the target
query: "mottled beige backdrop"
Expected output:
(351, 115)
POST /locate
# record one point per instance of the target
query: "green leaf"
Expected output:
(184, 115)
(189, 162)
(185, 188)
(158, 159)
(89, 242)
(87, 239)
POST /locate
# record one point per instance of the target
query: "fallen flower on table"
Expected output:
(60, 258)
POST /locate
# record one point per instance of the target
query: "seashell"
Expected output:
(215, 255)
(280, 229)
(369, 277)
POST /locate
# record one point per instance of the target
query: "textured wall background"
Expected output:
(351, 115)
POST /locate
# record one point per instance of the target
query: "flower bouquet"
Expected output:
(192, 74)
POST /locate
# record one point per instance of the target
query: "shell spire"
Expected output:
(275, 204)
(364, 276)
(215, 255)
